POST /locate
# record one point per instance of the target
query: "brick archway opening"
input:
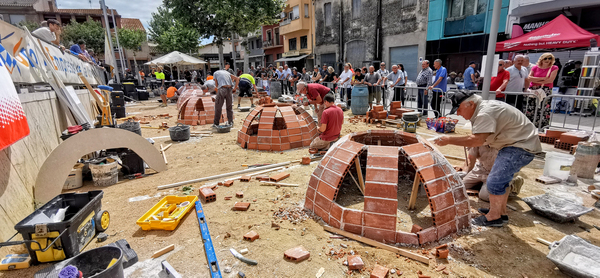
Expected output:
(390, 161)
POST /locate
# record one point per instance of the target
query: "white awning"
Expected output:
(292, 58)
(176, 58)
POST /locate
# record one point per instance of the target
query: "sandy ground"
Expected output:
(511, 251)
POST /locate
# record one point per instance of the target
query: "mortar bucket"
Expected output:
(105, 173)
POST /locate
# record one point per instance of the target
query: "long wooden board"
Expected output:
(374, 243)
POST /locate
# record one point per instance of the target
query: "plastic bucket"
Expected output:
(360, 100)
(96, 262)
(558, 165)
(180, 132)
(106, 173)
(132, 126)
(276, 89)
(75, 179)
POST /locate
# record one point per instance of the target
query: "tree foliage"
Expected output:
(90, 31)
(223, 18)
(31, 25)
(131, 39)
(171, 34)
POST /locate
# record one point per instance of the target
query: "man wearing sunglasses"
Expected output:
(517, 82)
(499, 81)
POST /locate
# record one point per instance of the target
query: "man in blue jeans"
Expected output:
(424, 81)
(503, 127)
(469, 76)
(438, 88)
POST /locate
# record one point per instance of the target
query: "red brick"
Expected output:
(387, 222)
(416, 229)
(377, 108)
(327, 190)
(415, 149)
(305, 160)
(337, 166)
(310, 193)
(437, 187)
(245, 178)
(462, 208)
(239, 194)
(228, 183)
(251, 236)
(308, 204)
(463, 222)
(380, 190)
(355, 229)
(331, 177)
(407, 238)
(227, 198)
(351, 146)
(383, 151)
(554, 133)
(241, 206)
(355, 262)
(279, 177)
(207, 195)
(385, 236)
(336, 211)
(427, 235)
(460, 195)
(382, 206)
(454, 181)
(320, 212)
(323, 202)
(441, 217)
(446, 229)
(382, 175)
(388, 162)
(334, 223)
(431, 173)
(441, 201)
(570, 138)
(351, 216)
(344, 155)
(296, 254)
(442, 253)
(422, 161)
(379, 272)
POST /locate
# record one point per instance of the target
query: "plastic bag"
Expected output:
(441, 125)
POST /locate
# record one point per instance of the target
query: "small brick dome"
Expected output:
(197, 108)
(387, 157)
(277, 127)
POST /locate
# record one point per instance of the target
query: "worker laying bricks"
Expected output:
(315, 93)
(247, 83)
(224, 83)
(503, 127)
(331, 124)
(480, 162)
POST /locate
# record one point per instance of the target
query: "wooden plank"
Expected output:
(15, 200)
(163, 251)
(163, 153)
(361, 180)
(357, 184)
(22, 161)
(414, 192)
(378, 244)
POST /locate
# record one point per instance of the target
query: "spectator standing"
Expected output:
(358, 78)
(559, 65)
(459, 77)
(383, 72)
(331, 76)
(401, 68)
(527, 64)
(517, 82)
(228, 68)
(51, 33)
(499, 82)
(330, 126)
(77, 49)
(345, 82)
(452, 78)
(284, 76)
(542, 77)
(423, 81)
(324, 70)
(224, 82)
(508, 63)
(194, 76)
(293, 78)
(306, 77)
(470, 79)
(396, 77)
(372, 80)
(316, 75)
(440, 84)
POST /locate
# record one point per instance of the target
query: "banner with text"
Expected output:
(23, 62)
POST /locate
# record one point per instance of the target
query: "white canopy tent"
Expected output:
(176, 58)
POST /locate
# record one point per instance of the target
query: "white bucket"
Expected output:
(558, 165)
(75, 179)
(105, 174)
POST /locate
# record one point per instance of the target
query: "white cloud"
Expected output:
(128, 9)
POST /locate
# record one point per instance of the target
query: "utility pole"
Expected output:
(107, 27)
(491, 50)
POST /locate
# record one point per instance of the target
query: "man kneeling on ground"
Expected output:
(247, 83)
(480, 162)
(503, 127)
(331, 124)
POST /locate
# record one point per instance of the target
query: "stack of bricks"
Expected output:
(265, 130)
(377, 113)
(550, 136)
(265, 100)
(397, 110)
(568, 140)
(198, 110)
(187, 93)
(398, 155)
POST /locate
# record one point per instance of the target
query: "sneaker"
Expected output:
(238, 106)
(516, 184)
(252, 105)
(485, 211)
(215, 126)
(482, 221)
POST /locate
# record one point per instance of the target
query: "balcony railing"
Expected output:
(285, 22)
(267, 44)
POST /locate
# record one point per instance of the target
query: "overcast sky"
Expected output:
(129, 9)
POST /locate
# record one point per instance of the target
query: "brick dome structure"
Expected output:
(197, 108)
(386, 158)
(277, 127)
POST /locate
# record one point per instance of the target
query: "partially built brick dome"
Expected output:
(197, 108)
(388, 160)
(277, 127)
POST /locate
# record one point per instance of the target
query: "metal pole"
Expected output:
(491, 49)
(107, 27)
(118, 45)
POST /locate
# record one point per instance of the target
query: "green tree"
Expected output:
(132, 39)
(223, 18)
(31, 25)
(170, 34)
(90, 31)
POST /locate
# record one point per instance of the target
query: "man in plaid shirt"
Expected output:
(423, 81)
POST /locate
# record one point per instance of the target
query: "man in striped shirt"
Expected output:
(423, 81)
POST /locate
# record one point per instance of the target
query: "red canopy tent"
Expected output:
(558, 33)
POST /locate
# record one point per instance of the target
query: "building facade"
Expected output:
(272, 44)
(254, 50)
(297, 29)
(458, 31)
(366, 33)
(210, 53)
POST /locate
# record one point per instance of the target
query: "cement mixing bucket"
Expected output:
(575, 257)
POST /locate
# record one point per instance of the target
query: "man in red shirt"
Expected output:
(315, 93)
(499, 82)
(331, 124)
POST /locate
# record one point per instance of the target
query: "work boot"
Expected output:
(238, 105)
(515, 185)
(215, 126)
(252, 105)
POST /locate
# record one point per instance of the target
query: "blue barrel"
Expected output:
(276, 89)
(360, 100)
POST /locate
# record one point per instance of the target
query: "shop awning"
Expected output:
(558, 33)
(297, 58)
